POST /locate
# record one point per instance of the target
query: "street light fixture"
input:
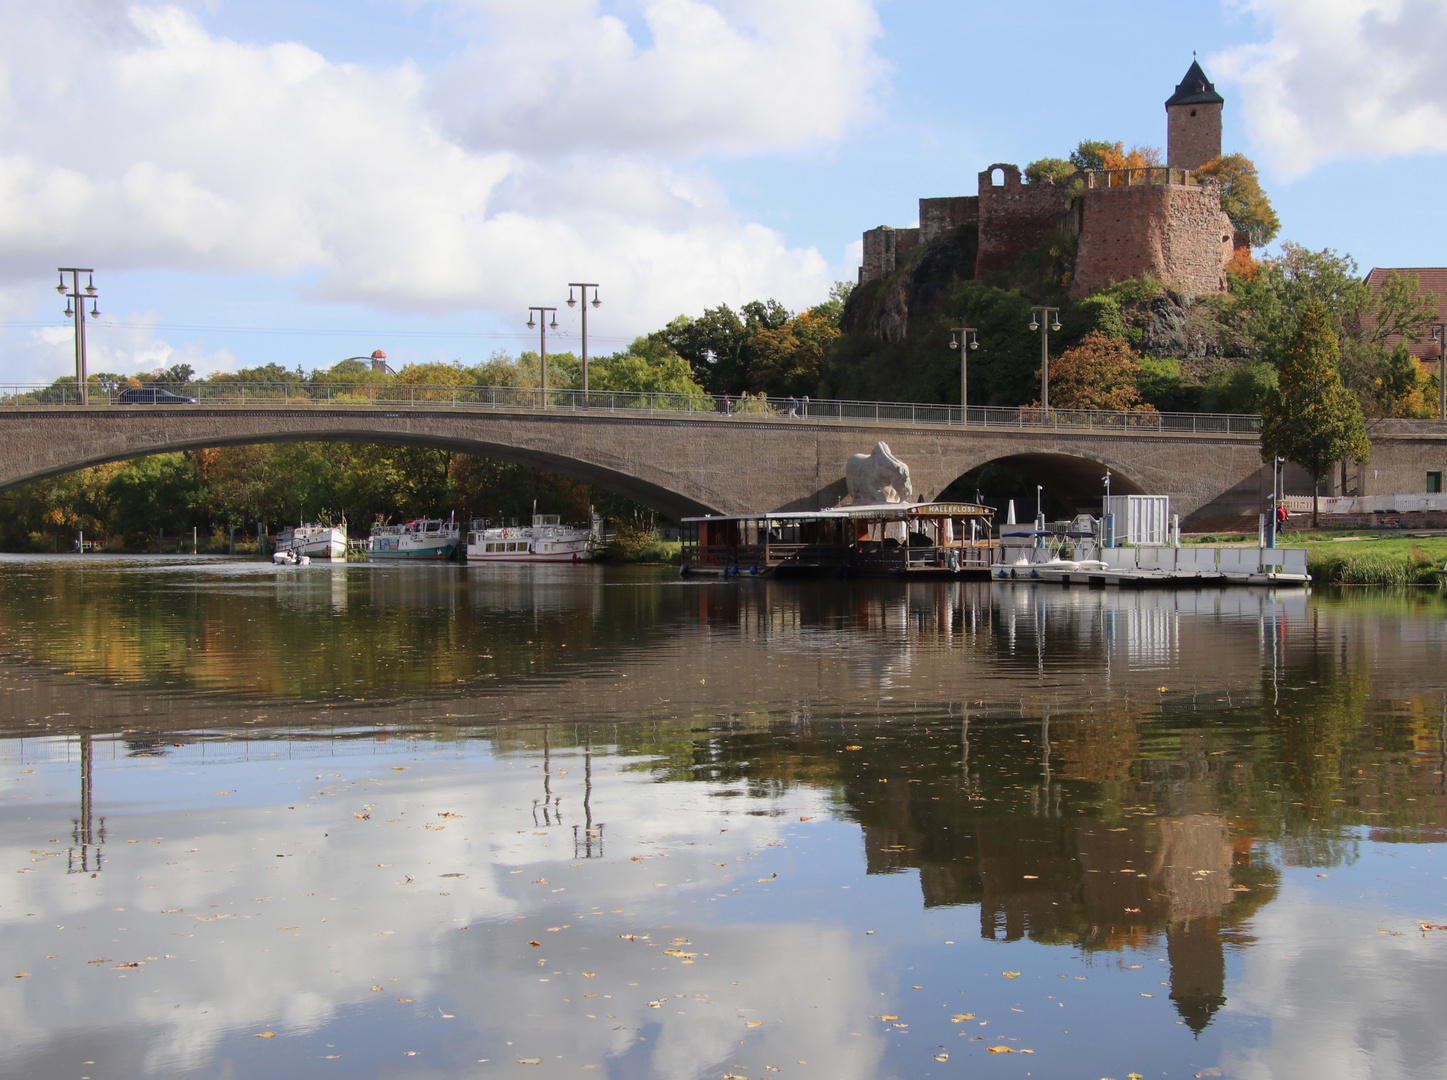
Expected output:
(955, 343)
(542, 312)
(584, 286)
(1049, 319)
(77, 313)
(1439, 335)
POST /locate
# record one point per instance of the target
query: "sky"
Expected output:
(301, 181)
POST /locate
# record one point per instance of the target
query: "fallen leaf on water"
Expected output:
(409, 1053)
(376, 988)
(1135, 1076)
(264, 1035)
(960, 1018)
(1002, 1050)
(854, 748)
(753, 1023)
(888, 1017)
(530, 1061)
(1010, 974)
(536, 944)
(399, 768)
(942, 1057)
(406, 1001)
(589, 974)
(1134, 967)
(22, 974)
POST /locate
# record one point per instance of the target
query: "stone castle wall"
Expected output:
(1016, 217)
(886, 249)
(939, 216)
(1173, 232)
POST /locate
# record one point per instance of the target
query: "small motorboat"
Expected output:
(290, 558)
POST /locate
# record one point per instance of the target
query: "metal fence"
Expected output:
(722, 407)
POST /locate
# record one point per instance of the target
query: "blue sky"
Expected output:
(301, 181)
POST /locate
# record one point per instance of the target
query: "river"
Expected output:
(438, 821)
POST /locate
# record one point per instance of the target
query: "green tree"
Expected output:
(153, 494)
(1313, 419)
(1242, 198)
(1090, 153)
(1050, 170)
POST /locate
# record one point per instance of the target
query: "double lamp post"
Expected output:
(545, 324)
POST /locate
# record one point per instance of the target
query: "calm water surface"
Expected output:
(363, 821)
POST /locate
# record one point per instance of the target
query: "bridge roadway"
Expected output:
(705, 462)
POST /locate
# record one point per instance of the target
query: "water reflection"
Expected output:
(1186, 827)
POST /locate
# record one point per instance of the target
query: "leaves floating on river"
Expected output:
(1010, 974)
(264, 1035)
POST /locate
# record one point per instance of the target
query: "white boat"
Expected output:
(315, 541)
(546, 540)
(424, 538)
(290, 558)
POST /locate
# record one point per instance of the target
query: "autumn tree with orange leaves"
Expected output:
(1099, 373)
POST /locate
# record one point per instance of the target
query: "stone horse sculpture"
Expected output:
(877, 477)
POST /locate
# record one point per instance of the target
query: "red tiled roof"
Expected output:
(1433, 280)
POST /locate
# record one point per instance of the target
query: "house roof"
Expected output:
(1433, 280)
(1195, 89)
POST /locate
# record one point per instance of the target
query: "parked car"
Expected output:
(152, 395)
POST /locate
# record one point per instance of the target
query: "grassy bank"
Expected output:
(651, 551)
(1396, 561)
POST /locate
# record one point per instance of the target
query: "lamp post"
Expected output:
(543, 325)
(583, 287)
(955, 343)
(78, 313)
(1439, 335)
(1049, 319)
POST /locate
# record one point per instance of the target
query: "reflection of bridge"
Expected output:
(707, 461)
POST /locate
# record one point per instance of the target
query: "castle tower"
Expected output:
(1193, 121)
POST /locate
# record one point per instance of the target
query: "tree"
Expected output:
(1242, 198)
(1313, 419)
(1099, 373)
(1090, 153)
(1050, 170)
(1268, 311)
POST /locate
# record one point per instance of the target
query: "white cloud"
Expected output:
(132, 138)
(1340, 78)
(738, 75)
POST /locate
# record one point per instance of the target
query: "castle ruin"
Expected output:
(1164, 222)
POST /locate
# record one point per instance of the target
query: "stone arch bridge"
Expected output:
(694, 463)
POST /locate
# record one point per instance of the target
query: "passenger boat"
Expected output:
(423, 538)
(883, 540)
(546, 540)
(314, 541)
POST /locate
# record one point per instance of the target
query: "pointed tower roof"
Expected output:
(1195, 89)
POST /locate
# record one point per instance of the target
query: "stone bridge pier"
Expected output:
(696, 463)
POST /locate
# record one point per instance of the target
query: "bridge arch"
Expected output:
(660, 493)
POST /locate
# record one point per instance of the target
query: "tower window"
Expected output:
(1434, 483)
(1193, 112)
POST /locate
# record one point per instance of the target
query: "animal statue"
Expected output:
(877, 477)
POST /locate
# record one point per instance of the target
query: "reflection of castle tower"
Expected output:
(1193, 121)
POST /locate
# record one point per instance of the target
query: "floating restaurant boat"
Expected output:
(423, 538)
(314, 541)
(880, 540)
(546, 540)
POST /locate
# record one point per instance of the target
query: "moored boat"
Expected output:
(314, 541)
(546, 540)
(423, 538)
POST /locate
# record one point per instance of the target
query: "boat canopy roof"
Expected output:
(875, 511)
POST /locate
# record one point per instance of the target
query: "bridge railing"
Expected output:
(720, 406)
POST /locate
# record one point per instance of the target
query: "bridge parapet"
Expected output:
(722, 406)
